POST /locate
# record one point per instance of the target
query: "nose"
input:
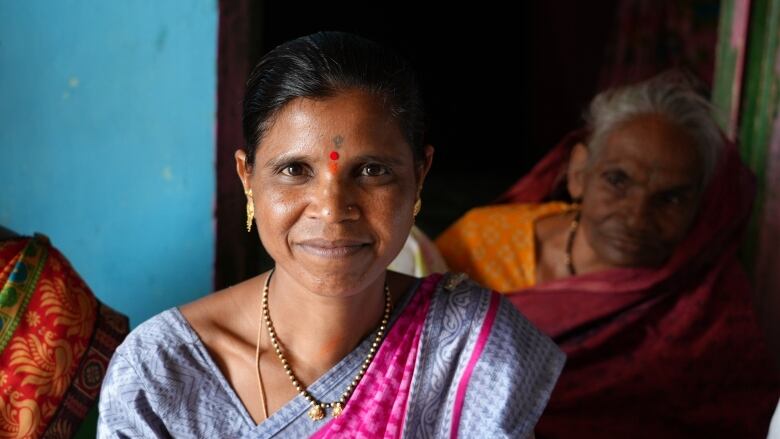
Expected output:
(637, 214)
(333, 200)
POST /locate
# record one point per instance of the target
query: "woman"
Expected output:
(637, 280)
(55, 341)
(329, 343)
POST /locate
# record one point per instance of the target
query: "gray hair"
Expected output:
(670, 95)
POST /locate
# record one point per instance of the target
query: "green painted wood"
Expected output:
(727, 68)
(759, 106)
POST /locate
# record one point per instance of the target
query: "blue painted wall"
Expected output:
(107, 127)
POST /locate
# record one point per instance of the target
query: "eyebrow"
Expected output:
(279, 160)
(681, 189)
(388, 159)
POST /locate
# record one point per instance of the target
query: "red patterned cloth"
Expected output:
(55, 341)
(658, 353)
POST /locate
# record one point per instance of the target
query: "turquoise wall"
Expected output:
(107, 128)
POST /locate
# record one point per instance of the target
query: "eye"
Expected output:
(374, 170)
(293, 170)
(672, 199)
(617, 179)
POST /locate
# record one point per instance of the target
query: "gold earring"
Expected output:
(417, 207)
(250, 209)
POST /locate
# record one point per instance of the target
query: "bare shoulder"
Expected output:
(552, 227)
(225, 311)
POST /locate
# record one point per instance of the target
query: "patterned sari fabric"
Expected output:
(668, 352)
(458, 361)
(495, 245)
(55, 341)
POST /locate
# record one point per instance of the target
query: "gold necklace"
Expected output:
(317, 410)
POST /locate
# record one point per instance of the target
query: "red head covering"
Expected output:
(662, 353)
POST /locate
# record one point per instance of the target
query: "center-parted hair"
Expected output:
(321, 65)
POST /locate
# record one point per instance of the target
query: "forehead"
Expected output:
(650, 145)
(357, 116)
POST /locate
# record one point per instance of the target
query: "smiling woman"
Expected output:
(336, 228)
(330, 343)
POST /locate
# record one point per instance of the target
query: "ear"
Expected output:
(242, 168)
(575, 173)
(424, 167)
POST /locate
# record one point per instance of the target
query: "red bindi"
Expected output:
(334, 155)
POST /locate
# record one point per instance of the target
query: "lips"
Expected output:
(633, 245)
(628, 245)
(339, 248)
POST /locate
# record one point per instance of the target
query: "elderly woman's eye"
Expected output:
(616, 179)
(374, 170)
(674, 199)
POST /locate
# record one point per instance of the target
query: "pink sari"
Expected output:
(378, 406)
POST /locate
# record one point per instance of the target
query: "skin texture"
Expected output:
(332, 231)
(639, 198)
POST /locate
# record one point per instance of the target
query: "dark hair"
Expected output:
(319, 66)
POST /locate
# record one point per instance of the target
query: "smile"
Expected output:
(629, 245)
(332, 249)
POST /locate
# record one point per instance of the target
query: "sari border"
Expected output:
(110, 329)
(479, 346)
(35, 255)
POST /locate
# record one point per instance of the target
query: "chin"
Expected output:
(633, 260)
(337, 282)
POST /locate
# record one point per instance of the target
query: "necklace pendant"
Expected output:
(316, 412)
(337, 409)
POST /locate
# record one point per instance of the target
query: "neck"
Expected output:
(584, 257)
(317, 331)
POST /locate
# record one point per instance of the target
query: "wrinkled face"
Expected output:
(334, 184)
(641, 193)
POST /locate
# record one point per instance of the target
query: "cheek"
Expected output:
(388, 214)
(676, 224)
(276, 211)
(598, 205)
(390, 210)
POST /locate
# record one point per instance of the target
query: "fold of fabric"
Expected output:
(495, 245)
(377, 408)
(435, 373)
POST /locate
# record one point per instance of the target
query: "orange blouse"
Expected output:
(495, 245)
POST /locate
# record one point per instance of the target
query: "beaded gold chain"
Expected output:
(317, 410)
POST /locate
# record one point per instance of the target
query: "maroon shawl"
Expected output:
(658, 353)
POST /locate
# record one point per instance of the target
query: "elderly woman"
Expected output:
(329, 343)
(637, 280)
